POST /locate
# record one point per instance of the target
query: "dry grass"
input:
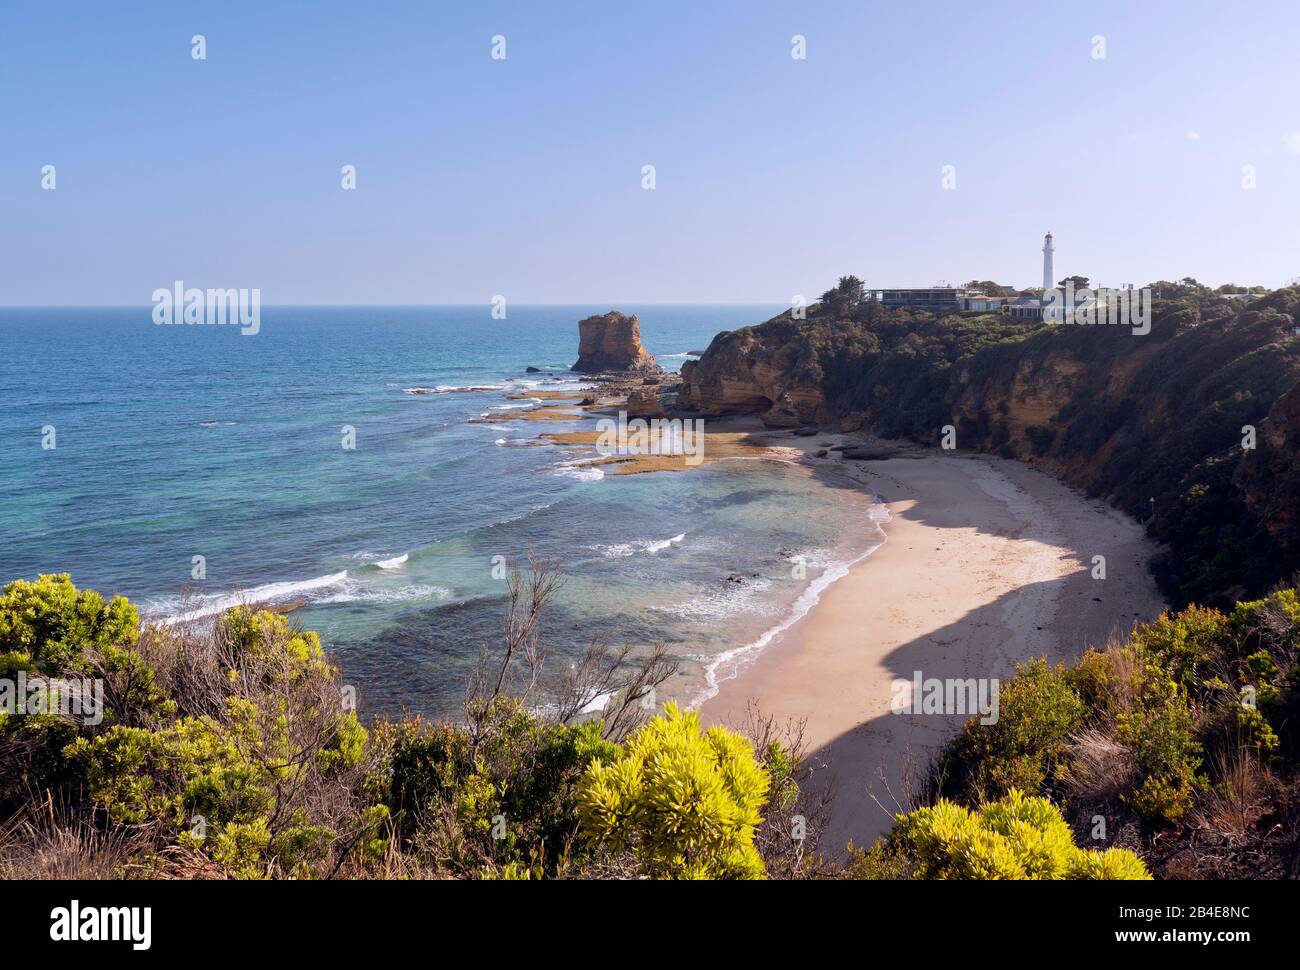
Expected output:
(1239, 800)
(1127, 669)
(1100, 767)
(48, 843)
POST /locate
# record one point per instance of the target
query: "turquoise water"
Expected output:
(175, 442)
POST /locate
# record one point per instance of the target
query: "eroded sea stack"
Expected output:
(612, 343)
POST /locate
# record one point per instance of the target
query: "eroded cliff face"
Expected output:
(612, 343)
(1027, 413)
(1269, 477)
(1124, 417)
(749, 373)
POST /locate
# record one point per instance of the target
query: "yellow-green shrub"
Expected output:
(53, 623)
(684, 802)
(1016, 837)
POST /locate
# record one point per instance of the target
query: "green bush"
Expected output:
(510, 803)
(1161, 734)
(1038, 709)
(1184, 643)
(1174, 691)
(230, 752)
(1040, 438)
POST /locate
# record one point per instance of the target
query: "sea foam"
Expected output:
(207, 605)
(620, 549)
(733, 660)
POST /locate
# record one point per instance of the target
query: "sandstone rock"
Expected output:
(532, 370)
(782, 414)
(643, 403)
(749, 372)
(613, 343)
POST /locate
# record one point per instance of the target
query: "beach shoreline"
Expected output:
(987, 562)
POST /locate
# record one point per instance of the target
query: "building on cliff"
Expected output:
(936, 299)
(1066, 308)
(1027, 308)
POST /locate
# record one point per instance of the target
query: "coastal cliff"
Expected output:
(612, 343)
(1152, 423)
(753, 374)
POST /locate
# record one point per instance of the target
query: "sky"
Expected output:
(523, 176)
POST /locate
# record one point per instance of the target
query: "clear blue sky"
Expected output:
(523, 177)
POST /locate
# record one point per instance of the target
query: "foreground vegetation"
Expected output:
(1179, 743)
(233, 752)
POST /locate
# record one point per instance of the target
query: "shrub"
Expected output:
(1184, 643)
(444, 795)
(685, 803)
(1040, 438)
(248, 788)
(1161, 733)
(1038, 709)
(53, 624)
(1016, 837)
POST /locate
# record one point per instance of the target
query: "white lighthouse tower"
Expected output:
(1049, 278)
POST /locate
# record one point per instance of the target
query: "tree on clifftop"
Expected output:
(844, 298)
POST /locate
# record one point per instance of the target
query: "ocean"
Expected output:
(173, 442)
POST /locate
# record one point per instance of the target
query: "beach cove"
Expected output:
(987, 562)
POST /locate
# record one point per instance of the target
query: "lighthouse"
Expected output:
(1049, 278)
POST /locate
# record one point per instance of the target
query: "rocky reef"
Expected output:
(612, 343)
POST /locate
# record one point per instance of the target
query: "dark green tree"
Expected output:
(845, 297)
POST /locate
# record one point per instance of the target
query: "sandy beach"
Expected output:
(987, 562)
